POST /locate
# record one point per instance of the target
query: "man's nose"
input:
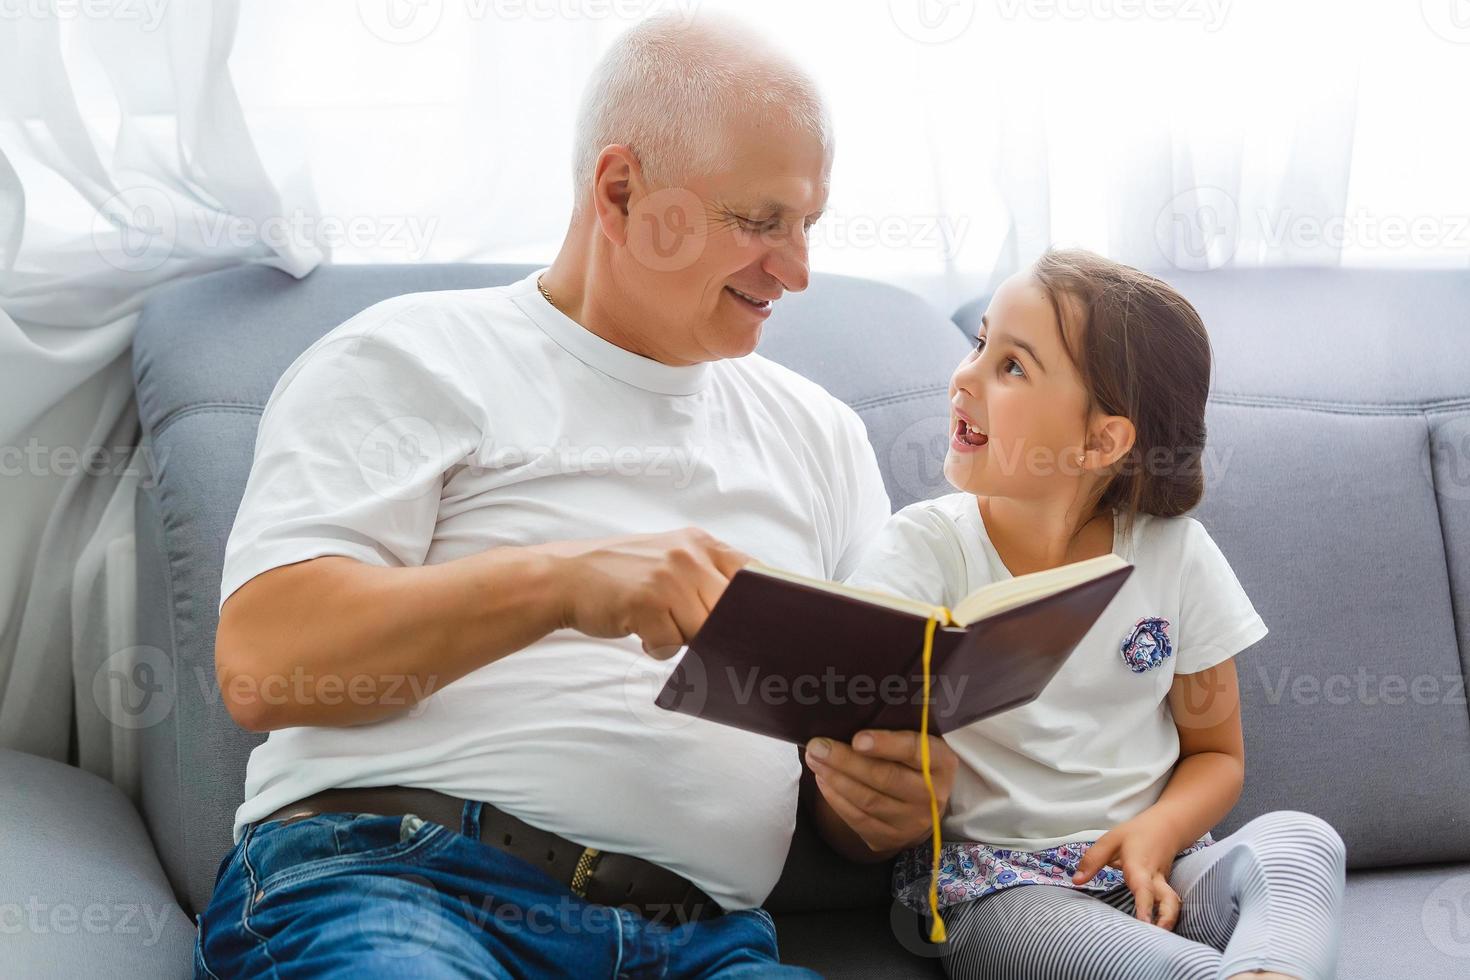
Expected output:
(788, 262)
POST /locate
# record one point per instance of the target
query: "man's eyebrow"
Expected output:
(1015, 341)
(770, 205)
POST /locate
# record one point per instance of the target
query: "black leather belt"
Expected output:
(619, 880)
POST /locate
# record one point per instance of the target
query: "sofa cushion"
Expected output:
(81, 892)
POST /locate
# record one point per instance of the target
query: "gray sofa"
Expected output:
(1339, 487)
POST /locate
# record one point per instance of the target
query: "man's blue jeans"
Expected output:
(359, 895)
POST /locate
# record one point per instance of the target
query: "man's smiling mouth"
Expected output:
(753, 302)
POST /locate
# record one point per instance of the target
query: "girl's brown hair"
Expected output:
(1144, 354)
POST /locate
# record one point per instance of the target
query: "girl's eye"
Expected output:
(1020, 372)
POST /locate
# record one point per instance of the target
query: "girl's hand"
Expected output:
(1141, 849)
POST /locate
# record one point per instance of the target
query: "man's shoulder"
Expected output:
(433, 326)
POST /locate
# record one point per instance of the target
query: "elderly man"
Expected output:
(473, 516)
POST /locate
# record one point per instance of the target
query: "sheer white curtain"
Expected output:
(125, 161)
(145, 141)
(971, 133)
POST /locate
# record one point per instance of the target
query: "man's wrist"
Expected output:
(552, 572)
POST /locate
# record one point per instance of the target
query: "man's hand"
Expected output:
(1143, 851)
(876, 787)
(660, 587)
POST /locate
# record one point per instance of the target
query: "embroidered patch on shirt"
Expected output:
(1148, 645)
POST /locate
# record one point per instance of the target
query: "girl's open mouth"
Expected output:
(967, 436)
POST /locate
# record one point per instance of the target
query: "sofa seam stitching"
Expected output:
(1449, 570)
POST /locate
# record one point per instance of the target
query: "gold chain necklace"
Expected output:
(544, 293)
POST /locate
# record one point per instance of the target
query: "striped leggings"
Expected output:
(1268, 897)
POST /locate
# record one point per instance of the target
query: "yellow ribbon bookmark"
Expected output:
(936, 929)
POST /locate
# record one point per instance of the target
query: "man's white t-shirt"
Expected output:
(437, 425)
(1100, 743)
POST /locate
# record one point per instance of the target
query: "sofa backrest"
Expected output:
(1338, 486)
(206, 357)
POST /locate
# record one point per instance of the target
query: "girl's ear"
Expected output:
(1111, 438)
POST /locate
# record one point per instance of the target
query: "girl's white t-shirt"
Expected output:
(1099, 744)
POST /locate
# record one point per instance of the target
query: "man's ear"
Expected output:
(613, 183)
(1110, 439)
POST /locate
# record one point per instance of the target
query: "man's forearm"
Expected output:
(334, 641)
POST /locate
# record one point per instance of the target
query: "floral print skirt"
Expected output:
(969, 870)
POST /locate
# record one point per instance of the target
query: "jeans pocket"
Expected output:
(279, 855)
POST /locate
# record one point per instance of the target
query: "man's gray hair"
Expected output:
(668, 87)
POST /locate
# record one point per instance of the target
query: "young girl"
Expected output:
(1077, 833)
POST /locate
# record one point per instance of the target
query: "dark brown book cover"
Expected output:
(795, 662)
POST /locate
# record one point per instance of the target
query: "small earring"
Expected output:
(1081, 460)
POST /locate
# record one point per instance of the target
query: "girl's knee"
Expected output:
(1302, 831)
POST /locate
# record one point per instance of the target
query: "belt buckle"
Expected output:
(582, 873)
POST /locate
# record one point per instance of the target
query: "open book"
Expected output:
(795, 657)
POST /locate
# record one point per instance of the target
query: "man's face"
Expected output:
(707, 260)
